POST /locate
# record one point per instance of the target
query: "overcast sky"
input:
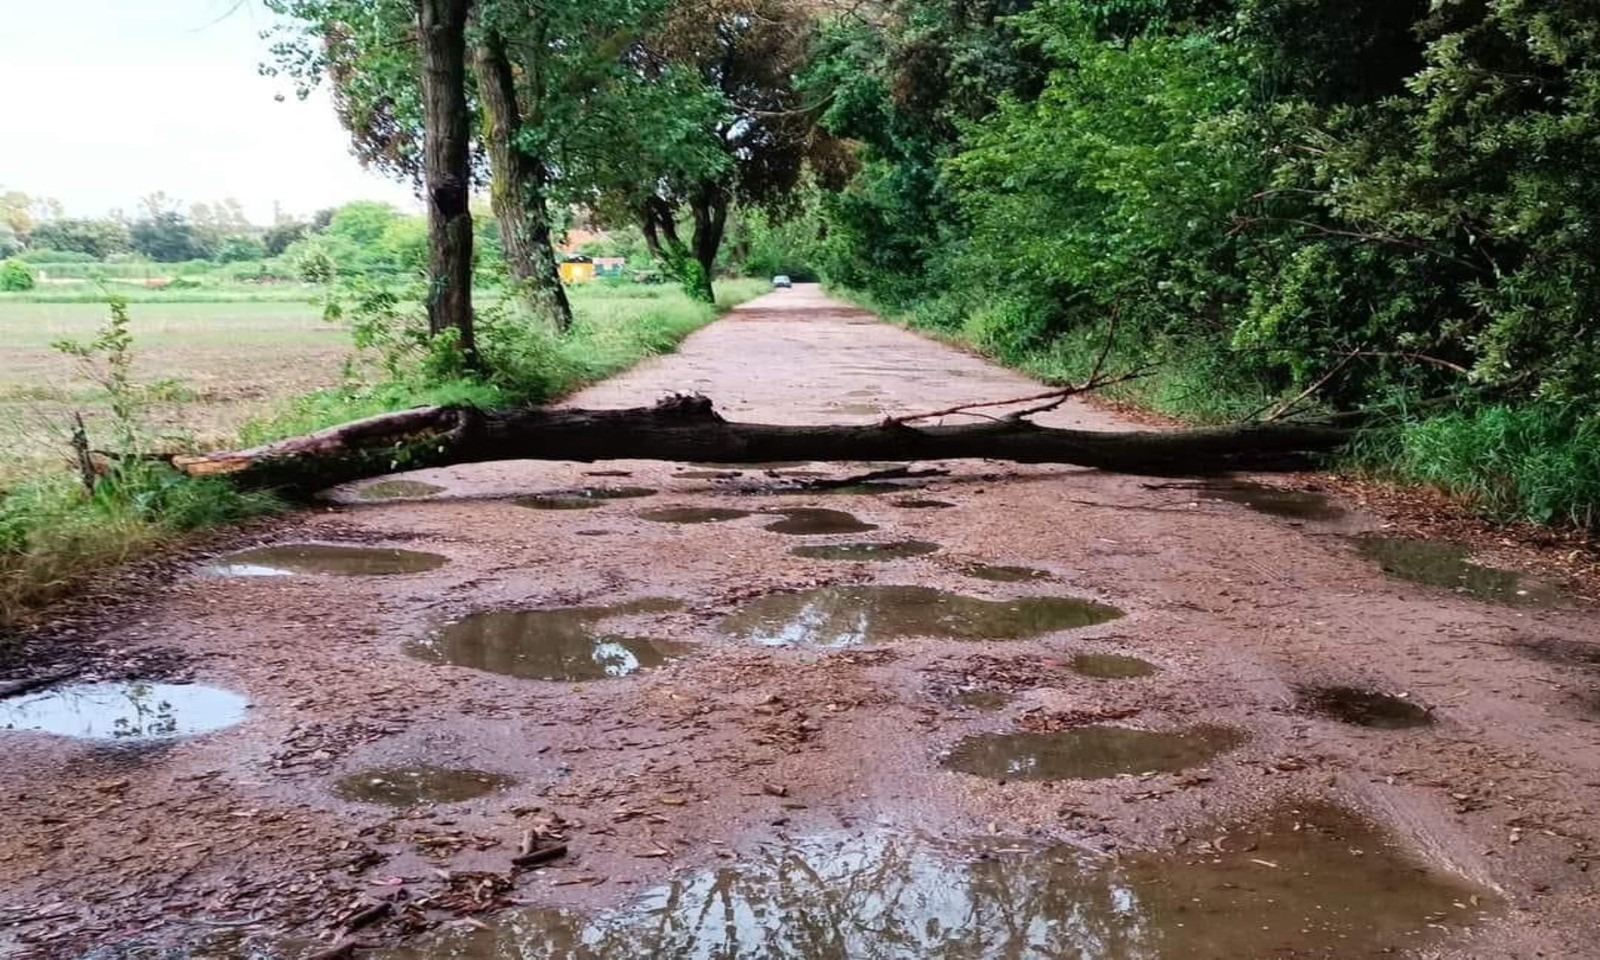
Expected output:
(105, 101)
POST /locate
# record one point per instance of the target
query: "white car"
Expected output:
(782, 282)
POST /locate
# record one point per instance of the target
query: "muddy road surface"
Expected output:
(640, 709)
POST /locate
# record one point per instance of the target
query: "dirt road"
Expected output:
(1112, 736)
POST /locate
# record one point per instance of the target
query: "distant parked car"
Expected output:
(782, 282)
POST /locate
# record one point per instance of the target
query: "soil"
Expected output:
(242, 840)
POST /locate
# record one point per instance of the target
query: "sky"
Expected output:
(106, 101)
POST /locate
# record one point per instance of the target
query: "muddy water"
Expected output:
(984, 699)
(846, 616)
(567, 643)
(1004, 574)
(1365, 708)
(808, 521)
(1111, 666)
(411, 786)
(130, 711)
(398, 490)
(1438, 563)
(1089, 753)
(917, 504)
(1310, 883)
(583, 498)
(694, 514)
(1275, 501)
(866, 551)
(325, 559)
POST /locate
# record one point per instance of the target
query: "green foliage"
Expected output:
(95, 239)
(16, 276)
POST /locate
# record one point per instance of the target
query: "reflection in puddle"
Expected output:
(566, 643)
(324, 558)
(1001, 574)
(844, 616)
(809, 521)
(1365, 708)
(410, 786)
(134, 710)
(923, 504)
(398, 489)
(1111, 666)
(1088, 753)
(1274, 501)
(1438, 563)
(694, 514)
(1315, 882)
(583, 498)
(865, 551)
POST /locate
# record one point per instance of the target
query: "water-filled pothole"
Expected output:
(397, 490)
(1111, 666)
(345, 560)
(130, 711)
(1438, 563)
(865, 551)
(565, 643)
(811, 521)
(979, 698)
(1365, 708)
(1004, 574)
(1312, 882)
(845, 616)
(922, 504)
(1275, 501)
(694, 514)
(582, 498)
(423, 783)
(1089, 753)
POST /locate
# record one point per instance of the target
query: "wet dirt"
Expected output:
(398, 490)
(1005, 574)
(694, 514)
(1365, 708)
(570, 643)
(918, 504)
(898, 550)
(410, 786)
(235, 843)
(851, 616)
(1437, 563)
(1275, 501)
(814, 521)
(1089, 753)
(984, 699)
(125, 712)
(325, 559)
(1111, 666)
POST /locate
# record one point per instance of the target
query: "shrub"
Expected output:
(15, 277)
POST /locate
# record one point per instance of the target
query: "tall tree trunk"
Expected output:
(517, 190)
(683, 261)
(447, 172)
(710, 209)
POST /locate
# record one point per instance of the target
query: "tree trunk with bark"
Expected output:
(447, 173)
(658, 221)
(517, 190)
(688, 429)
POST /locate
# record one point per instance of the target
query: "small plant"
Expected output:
(16, 277)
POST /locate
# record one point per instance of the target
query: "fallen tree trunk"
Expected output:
(687, 428)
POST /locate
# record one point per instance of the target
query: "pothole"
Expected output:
(1005, 574)
(1089, 753)
(582, 498)
(564, 643)
(866, 551)
(1313, 881)
(706, 475)
(812, 521)
(129, 711)
(694, 514)
(414, 785)
(1274, 501)
(846, 616)
(1438, 563)
(1365, 708)
(325, 559)
(398, 490)
(1111, 666)
(983, 699)
(917, 503)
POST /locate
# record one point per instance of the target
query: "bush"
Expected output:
(16, 277)
(55, 256)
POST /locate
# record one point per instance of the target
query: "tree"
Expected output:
(100, 239)
(279, 236)
(167, 236)
(447, 169)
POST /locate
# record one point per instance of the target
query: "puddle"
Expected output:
(135, 710)
(1274, 501)
(398, 489)
(1111, 666)
(564, 643)
(859, 409)
(810, 521)
(410, 786)
(923, 504)
(583, 498)
(866, 551)
(846, 616)
(325, 558)
(1001, 574)
(984, 699)
(1316, 882)
(1089, 753)
(1439, 563)
(694, 514)
(1365, 708)
(706, 475)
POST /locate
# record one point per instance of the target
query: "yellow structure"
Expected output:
(577, 270)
